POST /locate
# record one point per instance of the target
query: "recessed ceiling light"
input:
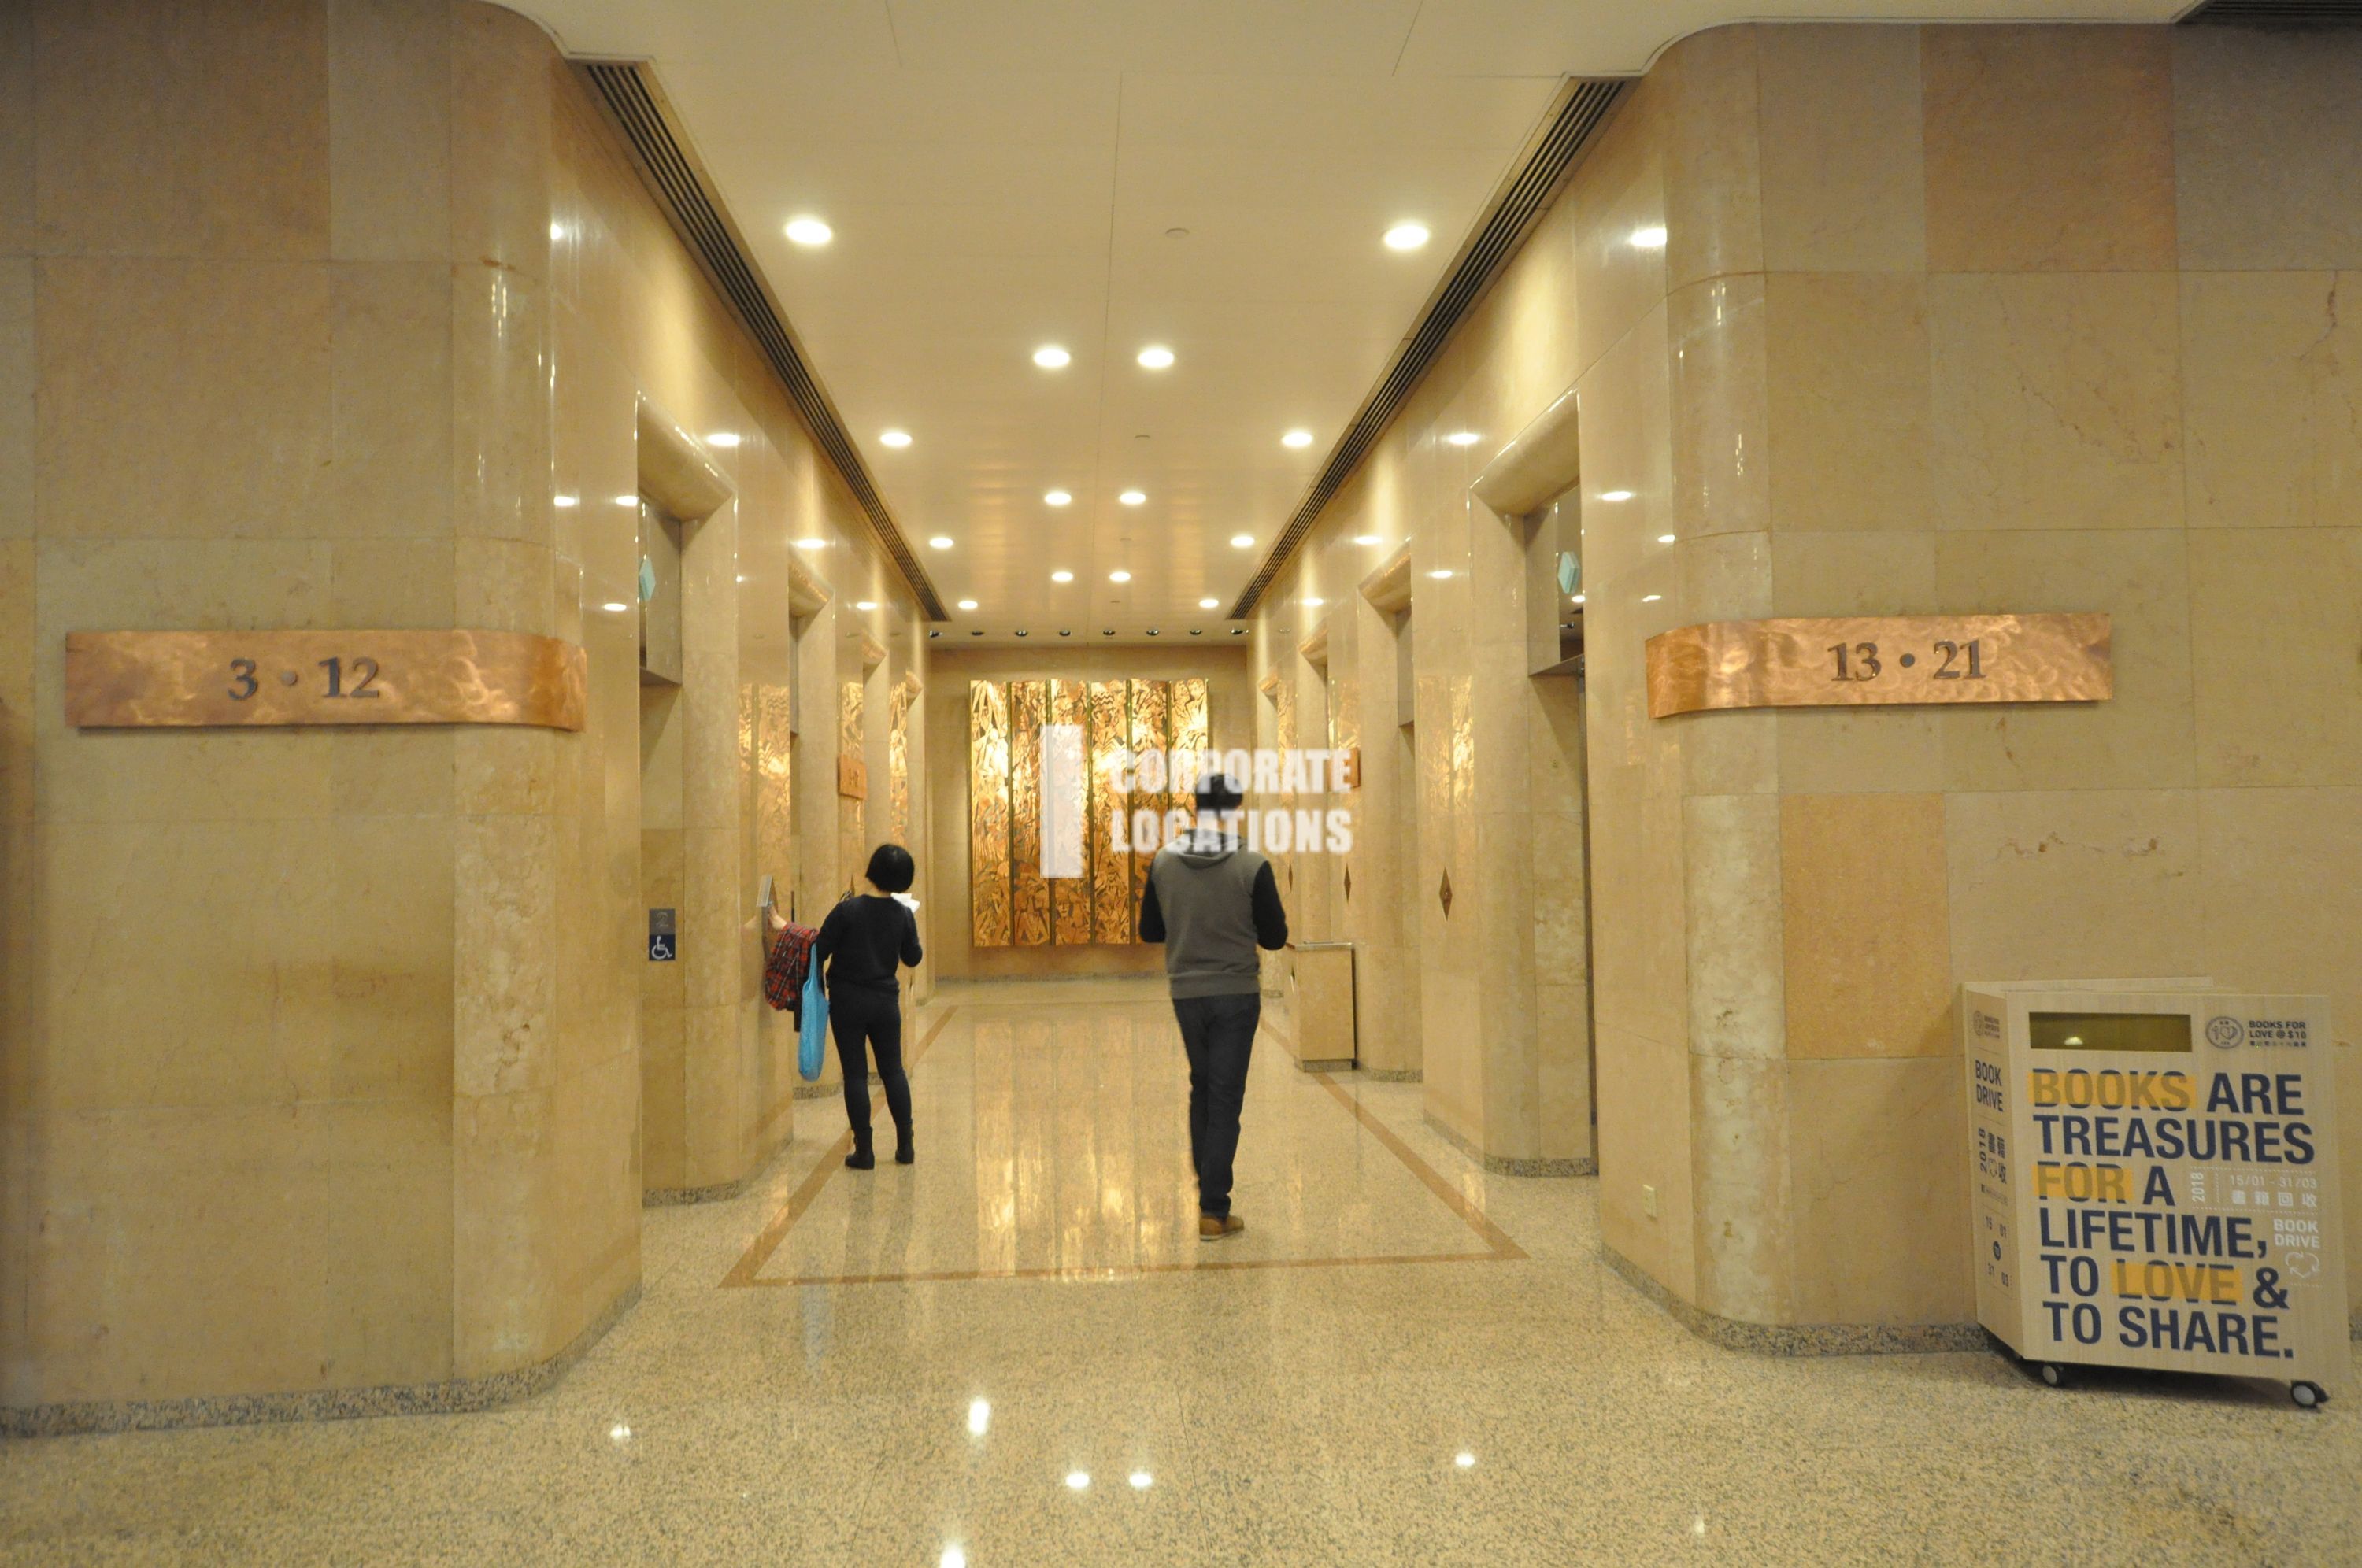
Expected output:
(895, 437)
(940, 542)
(1119, 576)
(865, 604)
(1196, 631)
(1133, 497)
(566, 501)
(1057, 497)
(1062, 577)
(1210, 604)
(1157, 357)
(1023, 633)
(968, 603)
(1238, 631)
(1297, 438)
(808, 230)
(1243, 541)
(1614, 495)
(1463, 438)
(1065, 631)
(1365, 540)
(722, 438)
(1406, 236)
(811, 544)
(1152, 630)
(1651, 598)
(1441, 572)
(1664, 538)
(1578, 599)
(1050, 356)
(1650, 238)
(614, 607)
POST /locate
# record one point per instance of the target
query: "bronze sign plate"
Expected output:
(134, 680)
(1852, 660)
(853, 778)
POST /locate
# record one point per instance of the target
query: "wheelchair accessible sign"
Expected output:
(663, 940)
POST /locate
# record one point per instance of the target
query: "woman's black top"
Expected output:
(865, 935)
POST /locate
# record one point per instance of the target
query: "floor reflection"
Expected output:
(1054, 1142)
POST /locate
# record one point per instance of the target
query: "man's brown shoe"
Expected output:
(1210, 1228)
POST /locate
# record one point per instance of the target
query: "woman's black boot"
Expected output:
(861, 1159)
(904, 1154)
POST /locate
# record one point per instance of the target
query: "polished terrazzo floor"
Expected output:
(1404, 1360)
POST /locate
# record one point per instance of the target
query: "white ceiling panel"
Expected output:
(1004, 174)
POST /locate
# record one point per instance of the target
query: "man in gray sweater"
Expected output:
(1212, 903)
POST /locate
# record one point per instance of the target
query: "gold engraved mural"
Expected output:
(1011, 903)
(1029, 892)
(1070, 897)
(988, 812)
(898, 760)
(1151, 705)
(1109, 734)
(774, 747)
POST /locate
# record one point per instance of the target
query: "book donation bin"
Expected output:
(2154, 1179)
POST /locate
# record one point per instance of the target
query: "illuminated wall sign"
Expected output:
(2154, 1179)
(1856, 661)
(138, 680)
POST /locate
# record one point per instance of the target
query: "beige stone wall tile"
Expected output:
(1561, 1053)
(1851, 573)
(1866, 938)
(1745, 1234)
(2273, 367)
(2268, 147)
(1731, 855)
(17, 109)
(503, 1284)
(501, 478)
(505, 585)
(2275, 618)
(389, 334)
(710, 924)
(1646, 1130)
(664, 1137)
(16, 392)
(1618, 191)
(389, 143)
(2074, 884)
(183, 131)
(505, 976)
(2049, 148)
(714, 1076)
(1878, 1167)
(505, 770)
(183, 399)
(1850, 418)
(16, 662)
(2141, 737)
(250, 1266)
(2057, 401)
(391, 772)
(247, 1022)
(391, 964)
(1722, 482)
(2284, 914)
(387, 1312)
(391, 584)
(1714, 209)
(1843, 171)
(502, 148)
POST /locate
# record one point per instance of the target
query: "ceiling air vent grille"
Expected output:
(640, 112)
(2278, 12)
(1521, 199)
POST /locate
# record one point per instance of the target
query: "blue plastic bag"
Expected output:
(813, 1036)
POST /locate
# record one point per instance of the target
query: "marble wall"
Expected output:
(320, 1062)
(1886, 319)
(943, 713)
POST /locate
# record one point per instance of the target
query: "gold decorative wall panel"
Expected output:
(1011, 903)
(852, 784)
(898, 760)
(191, 678)
(1853, 660)
(1029, 892)
(1070, 897)
(1108, 736)
(987, 813)
(1151, 703)
(774, 748)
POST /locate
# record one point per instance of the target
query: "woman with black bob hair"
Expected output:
(855, 953)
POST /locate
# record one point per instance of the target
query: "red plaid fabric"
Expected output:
(785, 968)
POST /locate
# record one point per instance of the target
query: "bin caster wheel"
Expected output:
(2307, 1396)
(2052, 1375)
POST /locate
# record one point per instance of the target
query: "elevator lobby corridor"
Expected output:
(1402, 1360)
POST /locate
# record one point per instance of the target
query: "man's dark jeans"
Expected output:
(1219, 1033)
